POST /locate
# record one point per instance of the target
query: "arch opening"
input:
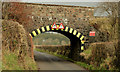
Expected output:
(68, 32)
(76, 38)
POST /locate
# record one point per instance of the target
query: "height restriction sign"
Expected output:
(61, 26)
(54, 26)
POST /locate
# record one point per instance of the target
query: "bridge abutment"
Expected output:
(75, 49)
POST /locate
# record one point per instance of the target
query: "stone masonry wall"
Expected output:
(76, 17)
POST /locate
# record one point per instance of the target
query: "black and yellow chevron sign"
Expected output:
(66, 29)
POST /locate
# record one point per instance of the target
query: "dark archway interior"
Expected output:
(75, 42)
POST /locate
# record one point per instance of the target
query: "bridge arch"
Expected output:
(67, 31)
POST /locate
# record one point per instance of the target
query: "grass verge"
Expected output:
(10, 61)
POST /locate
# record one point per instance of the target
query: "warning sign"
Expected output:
(61, 26)
(54, 26)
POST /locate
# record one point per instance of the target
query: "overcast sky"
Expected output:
(89, 3)
(71, 0)
(65, 0)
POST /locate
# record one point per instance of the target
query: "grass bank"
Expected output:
(15, 47)
(10, 61)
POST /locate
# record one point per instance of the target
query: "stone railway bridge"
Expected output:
(74, 18)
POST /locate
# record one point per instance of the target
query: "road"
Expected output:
(49, 62)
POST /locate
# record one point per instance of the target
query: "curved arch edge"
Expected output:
(66, 29)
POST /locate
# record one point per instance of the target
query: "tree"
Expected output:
(111, 8)
(17, 11)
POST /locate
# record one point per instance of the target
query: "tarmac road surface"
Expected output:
(49, 62)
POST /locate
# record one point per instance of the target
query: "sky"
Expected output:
(89, 3)
(65, 0)
(71, 0)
